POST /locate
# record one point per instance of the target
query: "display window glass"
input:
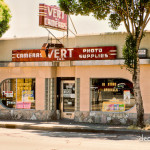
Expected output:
(18, 93)
(111, 95)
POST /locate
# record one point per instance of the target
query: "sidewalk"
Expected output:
(71, 126)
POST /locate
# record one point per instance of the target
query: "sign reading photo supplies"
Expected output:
(67, 54)
(52, 17)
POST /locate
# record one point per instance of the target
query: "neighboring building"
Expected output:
(85, 81)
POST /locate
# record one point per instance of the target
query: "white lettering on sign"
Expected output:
(25, 55)
(56, 13)
(70, 52)
(53, 17)
(63, 53)
(56, 53)
(92, 50)
(37, 55)
(60, 53)
(18, 55)
(33, 54)
(29, 55)
(66, 54)
(55, 23)
(21, 55)
(50, 54)
(93, 56)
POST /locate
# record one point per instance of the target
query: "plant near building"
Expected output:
(4, 17)
(135, 14)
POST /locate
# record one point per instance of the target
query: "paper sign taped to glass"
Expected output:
(8, 93)
(127, 96)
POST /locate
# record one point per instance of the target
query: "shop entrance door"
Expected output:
(67, 99)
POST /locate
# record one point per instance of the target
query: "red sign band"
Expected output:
(64, 54)
(52, 16)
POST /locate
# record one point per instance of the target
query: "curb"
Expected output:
(74, 129)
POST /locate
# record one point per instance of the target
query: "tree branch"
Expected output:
(144, 24)
(133, 24)
(126, 26)
(147, 21)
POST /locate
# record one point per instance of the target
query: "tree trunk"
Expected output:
(137, 93)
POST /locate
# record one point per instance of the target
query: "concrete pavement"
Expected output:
(71, 126)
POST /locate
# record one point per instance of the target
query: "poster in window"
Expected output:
(27, 96)
(113, 107)
(126, 96)
(23, 105)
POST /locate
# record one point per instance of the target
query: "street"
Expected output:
(17, 139)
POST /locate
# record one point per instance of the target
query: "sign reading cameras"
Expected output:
(66, 54)
(52, 17)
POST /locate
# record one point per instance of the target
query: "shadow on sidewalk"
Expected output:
(101, 136)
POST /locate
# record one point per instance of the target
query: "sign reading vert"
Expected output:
(52, 17)
(67, 54)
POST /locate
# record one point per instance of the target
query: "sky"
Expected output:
(25, 21)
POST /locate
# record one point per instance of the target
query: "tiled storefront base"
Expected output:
(108, 118)
(42, 115)
(90, 117)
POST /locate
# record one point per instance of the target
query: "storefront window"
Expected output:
(18, 93)
(111, 95)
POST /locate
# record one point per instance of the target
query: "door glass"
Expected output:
(68, 97)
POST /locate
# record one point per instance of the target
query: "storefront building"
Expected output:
(85, 81)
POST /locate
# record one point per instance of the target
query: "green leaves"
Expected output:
(98, 8)
(115, 21)
(131, 12)
(130, 52)
(135, 14)
(4, 17)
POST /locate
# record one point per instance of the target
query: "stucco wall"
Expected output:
(7, 45)
(107, 39)
(85, 73)
(82, 72)
(78, 70)
(145, 86)
(39, 73)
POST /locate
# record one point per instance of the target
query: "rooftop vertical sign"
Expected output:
(52, 17)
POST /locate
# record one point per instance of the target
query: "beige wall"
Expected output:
(99, 40)
(7, 45)
(65, 72)
(85, 73)
(112, 71)
(39, 73)
(82, 72)
(145, 86)
(107, 39)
